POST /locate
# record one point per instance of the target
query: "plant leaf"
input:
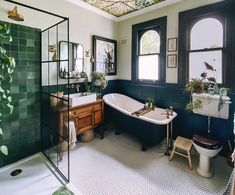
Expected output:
(2, 50)
(4, 150)
(0, 131)
(208, 66)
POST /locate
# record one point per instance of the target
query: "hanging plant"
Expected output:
(7, 66)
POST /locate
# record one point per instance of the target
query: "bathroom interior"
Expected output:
(165, 91)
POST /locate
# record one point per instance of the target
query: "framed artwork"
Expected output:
(172, 44)
(171, 61)
(105, 55)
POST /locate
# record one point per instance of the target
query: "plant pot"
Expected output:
(223, 92)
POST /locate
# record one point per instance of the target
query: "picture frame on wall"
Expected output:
(105, 55)
(172, 61)
(172, 44)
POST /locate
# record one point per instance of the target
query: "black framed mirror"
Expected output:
(71, 59)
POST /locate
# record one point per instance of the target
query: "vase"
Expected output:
(216, 89)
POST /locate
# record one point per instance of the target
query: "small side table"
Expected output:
(183, 144)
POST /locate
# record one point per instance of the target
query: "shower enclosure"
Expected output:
(54, 143)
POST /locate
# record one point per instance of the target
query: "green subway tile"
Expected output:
(22, 55)
(24, 124)
(30, 55)
(14, 47)
(31, 68)
(14, 33)
(22, 41)
(22, 48)
(30, 82)
(22, 95)
(22, 28)
(15, 54)
(23, 115)
(15, 41)
(14, 27)
(22, 34)
(30, 75)
(23, 89)
(22, 62)
(6, 47)
(15, 89)
(30, 36)
(30, 30)
(21, 68)
(30, 49)
(30, 43)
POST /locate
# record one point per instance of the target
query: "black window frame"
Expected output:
(138, 30)
(220, 11)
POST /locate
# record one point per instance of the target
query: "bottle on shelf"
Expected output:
(65, 75)
(61, 72)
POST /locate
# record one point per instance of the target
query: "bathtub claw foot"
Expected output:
(117, 132)
(144, 147)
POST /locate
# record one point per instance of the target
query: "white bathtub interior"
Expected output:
(128, 105)
(38, 178)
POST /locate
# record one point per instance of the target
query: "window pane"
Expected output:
(148, 67)
(80, 51)
(197, 66)
(206, 33)
(150, 42)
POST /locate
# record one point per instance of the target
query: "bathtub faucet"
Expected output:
(171, 110)
(167, 113)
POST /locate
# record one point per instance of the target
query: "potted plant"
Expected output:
(149, 103)
(223, 91)
(98, 79)
(196, 104)
(195, 86)
(7, 66)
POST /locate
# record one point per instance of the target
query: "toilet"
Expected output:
(207, 148)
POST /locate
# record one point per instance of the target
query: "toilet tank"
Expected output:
(210, 105)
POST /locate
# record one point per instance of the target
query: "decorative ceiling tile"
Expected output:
(121, 7)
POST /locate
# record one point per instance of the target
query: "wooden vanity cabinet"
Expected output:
(86, 117)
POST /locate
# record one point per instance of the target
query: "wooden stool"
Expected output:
(184, 145)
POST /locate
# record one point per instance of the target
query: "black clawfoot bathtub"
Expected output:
(151, 127)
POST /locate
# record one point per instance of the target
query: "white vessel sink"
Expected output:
(210, 105)
(77, 99)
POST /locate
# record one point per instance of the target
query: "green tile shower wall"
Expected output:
(22, 129)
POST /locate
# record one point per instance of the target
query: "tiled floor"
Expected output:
(117, 166)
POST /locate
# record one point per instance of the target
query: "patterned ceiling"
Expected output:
(121, 7)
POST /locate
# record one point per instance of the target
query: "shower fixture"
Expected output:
(14, 15)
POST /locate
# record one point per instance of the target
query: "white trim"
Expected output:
(127, 16)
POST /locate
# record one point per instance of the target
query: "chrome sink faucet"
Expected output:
(77, 87)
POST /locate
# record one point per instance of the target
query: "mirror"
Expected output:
(71, 66)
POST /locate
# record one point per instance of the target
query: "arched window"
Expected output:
(149, 51)
(206, 45)
(149, 55)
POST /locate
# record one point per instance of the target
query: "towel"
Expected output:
(72, 134)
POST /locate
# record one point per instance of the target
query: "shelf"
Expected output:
(55, 61)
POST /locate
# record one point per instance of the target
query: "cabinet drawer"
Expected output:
(77, 112)
(84, 123)
(98, 106)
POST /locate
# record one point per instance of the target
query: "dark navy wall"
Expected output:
(186, 123)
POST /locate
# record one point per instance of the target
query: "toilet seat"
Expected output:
(207, 142)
